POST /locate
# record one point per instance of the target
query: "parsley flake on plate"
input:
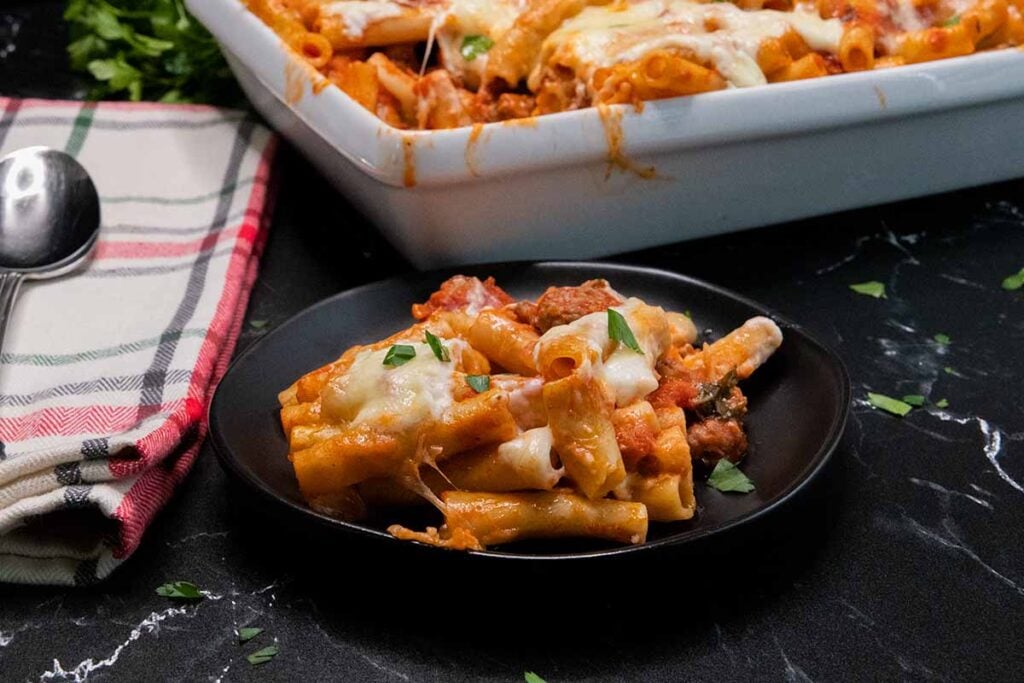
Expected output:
(531, 677)
(942, 403)
(618, 331)
(874, 288)
(889, 404)
(942, 339)
(180, 590)
(727, 477)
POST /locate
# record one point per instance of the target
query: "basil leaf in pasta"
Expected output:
(952, 21)
(889, 404)
(180, 590)
(618, 331)
(474, 46)
(399, 354)
(480, 383)
(727, 477)
(439, 349)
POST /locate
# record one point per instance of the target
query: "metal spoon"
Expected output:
(49, 219)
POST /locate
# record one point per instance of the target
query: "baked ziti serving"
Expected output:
(579, 414)
(429, 64)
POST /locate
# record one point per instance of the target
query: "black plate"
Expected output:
(798, 401)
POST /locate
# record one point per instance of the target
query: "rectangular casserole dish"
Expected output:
(547, 188)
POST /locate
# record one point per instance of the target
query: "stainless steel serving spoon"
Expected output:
(49, 219)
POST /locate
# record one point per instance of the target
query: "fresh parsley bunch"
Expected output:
(147, 50)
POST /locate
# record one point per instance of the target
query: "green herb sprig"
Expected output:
(1014, 282)
(399, 354)
(439, 349)
(479, 383)
(874, 289)
(474, 46)
(147, 50)
(726, 477)
(618, 331)
(180, 590)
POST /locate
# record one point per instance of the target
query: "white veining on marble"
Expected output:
(6, 639)
(984, 492)
(344, 646)
(993, 437)
(954, 542)
(946, 493)
(81, 672)
(793, 672)
(962, 281)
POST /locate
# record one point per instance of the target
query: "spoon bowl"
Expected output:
(49, 219)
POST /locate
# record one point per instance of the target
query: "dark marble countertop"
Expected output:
(905, 562)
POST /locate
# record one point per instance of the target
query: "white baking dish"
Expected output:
(723, 160)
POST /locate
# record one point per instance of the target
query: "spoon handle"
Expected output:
(9, 284)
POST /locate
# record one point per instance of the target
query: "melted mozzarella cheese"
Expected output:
(628, 375)
(530, 452)
(393, 398)
(358, 14)
(462, 18)
(719, 34)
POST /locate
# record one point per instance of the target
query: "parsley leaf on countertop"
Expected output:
(873, 288)
(248, 633)
(889, 404)
(181, 590)
(147, 50)
(1014, 282)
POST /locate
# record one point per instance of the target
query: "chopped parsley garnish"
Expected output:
(480, 383)
(474, 46)
(399, 354)
(258, 324)
(180, 590)
(618, 331)
(439, 349)
(942, 339)
(873, 288)
(952, 21)
(889, 404)
(263, 656)
(942, 403)
(948, 370)
(1014, 282)
(533, 678)
(728, 477)
(916, 400)
(248, 633)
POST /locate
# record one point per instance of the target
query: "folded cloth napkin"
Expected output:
(106, 374)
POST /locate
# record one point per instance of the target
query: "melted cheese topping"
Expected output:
(491, 18)
(531, 452)
(717, 34)
(393, 398)
(358, 14)
(628, 375)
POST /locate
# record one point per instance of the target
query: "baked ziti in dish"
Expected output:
(580, 414)
(430, 64)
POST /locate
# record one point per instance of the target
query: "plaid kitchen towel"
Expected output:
(105, 374)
